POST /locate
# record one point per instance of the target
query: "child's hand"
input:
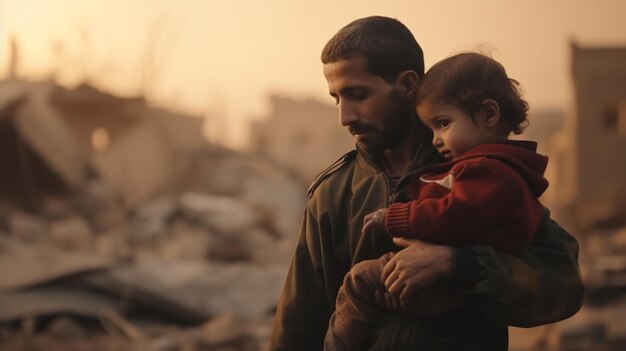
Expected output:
(375, 220)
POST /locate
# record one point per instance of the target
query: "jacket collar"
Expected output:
(425, 154)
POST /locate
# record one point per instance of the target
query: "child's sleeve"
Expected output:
(488, 203)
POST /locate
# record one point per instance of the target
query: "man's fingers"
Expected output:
(387, 301)
(407, 293)
(396, 287)
(393, 276)
(388, 269)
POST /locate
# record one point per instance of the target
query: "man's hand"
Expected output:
(375, 220)
(418, 265)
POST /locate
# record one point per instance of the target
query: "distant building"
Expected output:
(54, 139)
(588, 158)
(304, 135)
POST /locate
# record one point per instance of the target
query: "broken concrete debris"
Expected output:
(152, 239)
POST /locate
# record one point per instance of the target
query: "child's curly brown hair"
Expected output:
(467, 79)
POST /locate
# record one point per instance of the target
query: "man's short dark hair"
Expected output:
(386, 44)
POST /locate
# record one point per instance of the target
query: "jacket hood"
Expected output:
(519, 154)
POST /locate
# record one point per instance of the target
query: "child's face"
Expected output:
(454, 130)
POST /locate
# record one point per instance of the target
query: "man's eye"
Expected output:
(358, 94)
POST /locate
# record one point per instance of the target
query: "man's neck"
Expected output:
(397, 160)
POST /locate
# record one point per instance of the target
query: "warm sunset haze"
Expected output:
(221, 59)
(107, 107)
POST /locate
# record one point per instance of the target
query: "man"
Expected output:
(372, 67)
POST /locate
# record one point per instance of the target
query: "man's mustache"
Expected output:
(360, 128)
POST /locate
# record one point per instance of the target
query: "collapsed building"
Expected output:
(109, 206)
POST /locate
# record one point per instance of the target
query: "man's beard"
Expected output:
(397, 116)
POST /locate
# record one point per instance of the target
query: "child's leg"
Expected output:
(356, 306)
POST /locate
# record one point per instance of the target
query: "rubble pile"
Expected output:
(158, 241)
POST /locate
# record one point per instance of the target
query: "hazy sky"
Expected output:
(226, 56)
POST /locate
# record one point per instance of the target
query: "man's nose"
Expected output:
(347, 114)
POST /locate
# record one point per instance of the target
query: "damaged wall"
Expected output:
(153, 224)
(588, 157)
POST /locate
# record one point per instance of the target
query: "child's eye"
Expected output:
(442, 123)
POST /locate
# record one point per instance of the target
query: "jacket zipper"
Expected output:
(380, 171)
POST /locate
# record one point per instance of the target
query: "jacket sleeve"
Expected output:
(303, 310)
(483, 196)
(540, 285)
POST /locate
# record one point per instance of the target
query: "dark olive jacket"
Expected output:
(539, 285)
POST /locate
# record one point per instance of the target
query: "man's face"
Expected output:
(373, 110)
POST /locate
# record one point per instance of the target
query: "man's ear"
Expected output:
(407, 83)
(491, 112)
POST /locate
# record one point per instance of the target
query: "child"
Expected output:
(486, 194)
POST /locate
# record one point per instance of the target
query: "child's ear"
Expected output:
(491, 111)
(407, 83)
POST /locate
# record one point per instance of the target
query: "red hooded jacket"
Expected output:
(489, 195)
